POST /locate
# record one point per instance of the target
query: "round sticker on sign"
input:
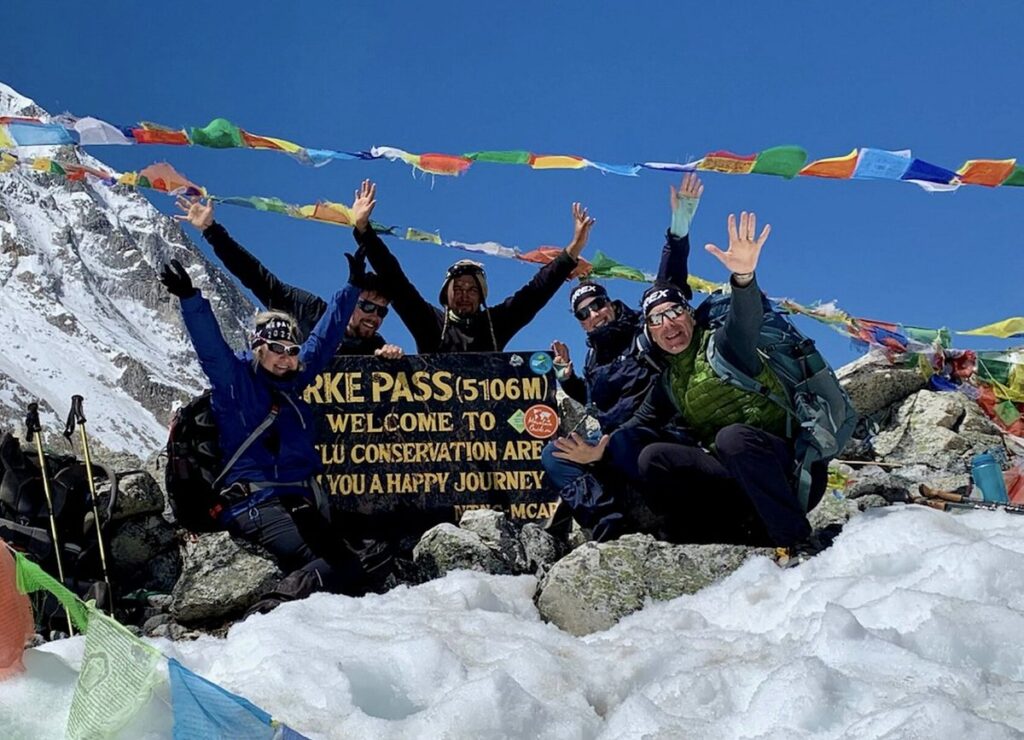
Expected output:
(540, 421)
(540, 362)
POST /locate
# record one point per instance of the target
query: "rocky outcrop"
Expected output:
(596, 585)
(219, 579)
(873, 384)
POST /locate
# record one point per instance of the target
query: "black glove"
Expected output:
(177, 281)
(356, 269)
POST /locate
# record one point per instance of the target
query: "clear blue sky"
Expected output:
(616, 82)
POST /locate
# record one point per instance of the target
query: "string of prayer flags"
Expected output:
(163, 178)
(780, 161)
(119, 671)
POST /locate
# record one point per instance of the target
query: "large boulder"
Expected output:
(137, 494)
(446, 547)
(873, 384)
(941, 430)
(499, 534)
(219, 579)
(143, 553)
(596, 585)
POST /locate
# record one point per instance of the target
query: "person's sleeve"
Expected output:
(418, 315)
(656, 410)
(318, 349)
(273, 293)
(674, 266)
(737, 338)
(575, 388)
(520, 308)
(215, 356)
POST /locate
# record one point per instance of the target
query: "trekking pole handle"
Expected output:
(32, 425)
(76, 408)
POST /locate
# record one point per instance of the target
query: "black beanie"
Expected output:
(583, 291)
(661, 293)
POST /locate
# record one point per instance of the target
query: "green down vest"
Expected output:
(709, 404)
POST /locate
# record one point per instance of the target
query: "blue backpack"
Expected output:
(814, 400)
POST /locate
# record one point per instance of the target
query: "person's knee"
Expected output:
(735, 439)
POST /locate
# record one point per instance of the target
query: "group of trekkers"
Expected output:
(716, 461)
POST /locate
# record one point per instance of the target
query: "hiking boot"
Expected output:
(816, 542)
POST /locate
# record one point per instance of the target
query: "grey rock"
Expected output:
(219, 578)
(136, 540)
(597, 584)
(446, 547)
(873, 384)
(541, 549)
(498, 533)
(137, 494)
(834, 508)
(153, 622)
(159, 601)
(871, 501)
(573, 416)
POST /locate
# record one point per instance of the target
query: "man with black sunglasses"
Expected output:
(361, 334)
(465, 321)
(620, 367)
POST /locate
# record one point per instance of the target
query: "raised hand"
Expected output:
(579, 450)
(195, 212)
(684, 202)
(744, 248)
(177, 281)
(363, 204)
(389, 352)
(582, 222)
(563, 365)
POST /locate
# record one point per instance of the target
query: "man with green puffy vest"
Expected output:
(735, 482)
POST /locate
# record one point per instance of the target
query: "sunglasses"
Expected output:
(292, 350)
(370, 307)
(594, 306)
(672, 312)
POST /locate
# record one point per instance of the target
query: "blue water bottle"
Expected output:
(988, 477)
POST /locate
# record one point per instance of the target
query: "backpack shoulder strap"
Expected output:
(275, 408)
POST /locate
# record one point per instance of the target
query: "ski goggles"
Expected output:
(594, 306)
(292, 350)
(670, 313)
(370, 307)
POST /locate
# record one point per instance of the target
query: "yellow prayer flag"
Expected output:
(7, 162)
(557, 162)
(5, 139)
(131, 179)
(1003, 329)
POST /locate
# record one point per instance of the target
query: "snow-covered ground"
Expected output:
(910, 626)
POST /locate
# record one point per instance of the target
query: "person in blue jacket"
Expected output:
(620, 368)
(270, 494)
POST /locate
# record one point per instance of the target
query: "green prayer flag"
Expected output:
(118, 673)
(274, 205)
(32, 578)
(1016, 178)
(415, 235)
(929, 336)
(783, 161)
(604, 266)
(506, 157)
(1007, 412)
(56, 169)
(219, 133)
(993, 370)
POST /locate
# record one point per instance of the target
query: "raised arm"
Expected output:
(675, 255)
(521, 307)
(318, 349)
(572, 384)
(215, 356)
(419, 315)
(272, 292)
(738, 336)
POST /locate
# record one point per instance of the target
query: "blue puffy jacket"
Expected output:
(242, 393)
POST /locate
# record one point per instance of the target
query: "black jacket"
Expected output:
(437, 330)
(276, 295)
(622, 362)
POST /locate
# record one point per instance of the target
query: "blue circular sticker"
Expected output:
(540, 362)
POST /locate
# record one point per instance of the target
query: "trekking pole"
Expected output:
(76, 416)
(966, 505)
(35, 429)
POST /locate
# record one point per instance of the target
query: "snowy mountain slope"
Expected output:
(81, 310)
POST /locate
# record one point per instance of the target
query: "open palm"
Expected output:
(744, 249)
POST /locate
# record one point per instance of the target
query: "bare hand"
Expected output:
(744, 249)
(691, 189)
(363, 205)
(579, 450)
(563, 365)
(582, 222)
(195, 212)
(390, 352)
